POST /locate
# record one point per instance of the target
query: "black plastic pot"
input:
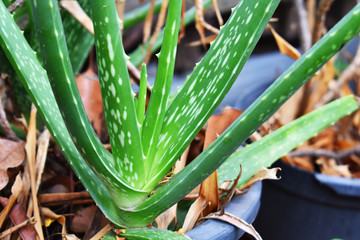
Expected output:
(306, 205)
(244, 206)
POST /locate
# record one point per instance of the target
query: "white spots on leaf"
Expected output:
(121, 138)
(112, 89)
(110, 47)
(249, 18)
(125, 114)
(112, 70)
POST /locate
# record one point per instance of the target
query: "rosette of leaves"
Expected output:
(124, 184)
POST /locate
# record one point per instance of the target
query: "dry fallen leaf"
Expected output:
(30, 148)
(82, 219)
(194, 213)
(12, 154)
(237, 222)
(16, 190)
(284, 47)
(329, 166)
(262, 174)
(164, 219)
(217, 124)
(17, 216)
(89, 89)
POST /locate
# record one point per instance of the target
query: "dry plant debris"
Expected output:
(334, 151)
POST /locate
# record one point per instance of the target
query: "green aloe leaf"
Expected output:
(140, 109)
(139, 54)
(209, 82)
(79, 40)
(35, 80)
(160, 93)
(117, 94)
(145, 234)
(54, 51)
(210, 159)
(270, 148)
(151, 233)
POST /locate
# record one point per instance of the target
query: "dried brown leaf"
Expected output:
(102, 232)
(329, 166)
(164, 219)
(148, 22)
(237, 222)
(90, 92)
(218, 13)
(16, 190)
(70, 237)
(74, 8)
(160, 22)
(12, 154)
(41, 155)
(290, 109)
(30, 147)
(260, 175)
(217, 124)
(194, 212)
(82, 219)
(50, 216)
(284, 47)
(17, 216)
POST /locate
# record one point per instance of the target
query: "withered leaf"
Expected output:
(12, 154)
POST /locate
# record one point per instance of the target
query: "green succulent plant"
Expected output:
(145, 146)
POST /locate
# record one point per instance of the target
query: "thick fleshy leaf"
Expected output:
(212, 157)
(209, 82)
(117, 95)
(270, 148)
(36, 82)
(139, 54)
(160, 93)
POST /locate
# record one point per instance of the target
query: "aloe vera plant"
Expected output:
(146, 145)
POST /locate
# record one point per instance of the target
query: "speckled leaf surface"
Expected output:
(139, 54)
(270, 148)
(37, 84)
(117, 94)
(210, 159)
(79, 40)
(156, 110)
(151, 233)
(209, 82)
(54, 51)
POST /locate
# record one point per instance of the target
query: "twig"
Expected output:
(347, 75)
(120, 8)
(231, 192)
(30, 148)
(61, 197)
(217, 12)
(160, 22)
(311, 8)
(74, 8)
(102, 232)
(15, 5)
(148, 22)
(9, 231)
(318, 152)
(305, 34)
(323, 8)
